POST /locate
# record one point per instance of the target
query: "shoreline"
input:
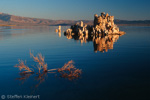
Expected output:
(71, 24)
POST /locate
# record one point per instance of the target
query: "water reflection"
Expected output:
(39, 78)
(58, 31)
(68, 71)
(23, 77)
(14, 31)
(101, 43)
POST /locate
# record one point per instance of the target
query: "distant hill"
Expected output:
(7, 19)
(133, 23)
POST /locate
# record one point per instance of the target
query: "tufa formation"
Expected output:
(104, 33)
(103, 25)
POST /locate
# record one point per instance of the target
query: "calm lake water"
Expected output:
(121, 73)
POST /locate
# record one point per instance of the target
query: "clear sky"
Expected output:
(77, 9)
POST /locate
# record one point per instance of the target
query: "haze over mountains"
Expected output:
(7, 19)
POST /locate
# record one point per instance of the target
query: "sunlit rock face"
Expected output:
(102, 25)
(105, 24)
(103, 32)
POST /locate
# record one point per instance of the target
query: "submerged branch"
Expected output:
(40, 60)
(22, 66)
(67, 71)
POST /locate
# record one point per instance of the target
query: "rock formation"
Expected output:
(103, 33)
(103, 25)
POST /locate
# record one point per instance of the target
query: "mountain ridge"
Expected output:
(7, 19)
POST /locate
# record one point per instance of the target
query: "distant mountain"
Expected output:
(7, 19)
(134, 22)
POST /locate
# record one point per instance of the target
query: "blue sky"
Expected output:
(77, 9)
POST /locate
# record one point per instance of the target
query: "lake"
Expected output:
(122, 72)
